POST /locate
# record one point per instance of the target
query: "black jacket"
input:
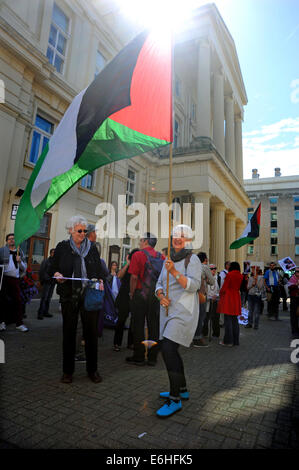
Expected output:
(44, 269)
(63, 262)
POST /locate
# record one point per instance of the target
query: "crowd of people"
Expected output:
(164, 302)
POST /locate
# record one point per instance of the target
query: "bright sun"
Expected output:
(159, 13)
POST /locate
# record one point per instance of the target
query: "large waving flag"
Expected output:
(251, 232)
(126, 111)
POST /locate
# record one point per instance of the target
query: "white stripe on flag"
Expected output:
(61, 154)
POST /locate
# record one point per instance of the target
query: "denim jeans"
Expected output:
(254, 307)
(231, 330)
(47, 292)
(201, 320)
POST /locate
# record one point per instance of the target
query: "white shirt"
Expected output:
(114, 287)
(223, 276)
(10, 269)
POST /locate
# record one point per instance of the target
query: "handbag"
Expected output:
(93, 297)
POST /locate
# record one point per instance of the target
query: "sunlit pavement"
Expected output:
(241, 397)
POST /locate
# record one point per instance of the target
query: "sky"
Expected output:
(266, 34)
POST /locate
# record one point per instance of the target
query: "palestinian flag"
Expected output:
(126, 111)
(251, 232)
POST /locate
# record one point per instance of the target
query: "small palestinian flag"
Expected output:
(126, 111)
(251, 232)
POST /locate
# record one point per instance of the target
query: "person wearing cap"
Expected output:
(212, 302)
(144, 308)
(179, 314)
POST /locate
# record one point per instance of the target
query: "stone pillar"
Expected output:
(218, 235)
(230, 132)
(204, 198)
(239, 148)
(218, 112)
(241, 253)
(204, 90)
(230, 236)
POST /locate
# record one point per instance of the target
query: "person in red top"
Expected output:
(230, 305)
(144, 305)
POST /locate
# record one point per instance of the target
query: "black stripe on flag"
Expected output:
(108, 93)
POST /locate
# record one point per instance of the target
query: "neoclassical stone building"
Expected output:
(52, 49)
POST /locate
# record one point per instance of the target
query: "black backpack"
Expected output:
(152, 269)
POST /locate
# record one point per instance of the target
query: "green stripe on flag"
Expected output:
(241, 242)
(111, 142)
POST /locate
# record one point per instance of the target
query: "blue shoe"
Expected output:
(169, 408)
(183, 395)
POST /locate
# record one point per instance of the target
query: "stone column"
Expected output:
(239, 148)
(229, 132)
(204, 198)
(230, 236)
(241, 253)
(204, 90)
(218, 112)
(218, 235)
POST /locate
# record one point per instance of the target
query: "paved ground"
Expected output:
(241, 397)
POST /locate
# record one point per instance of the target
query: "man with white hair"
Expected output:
(77, 258)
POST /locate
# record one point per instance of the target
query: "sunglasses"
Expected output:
(213, 269)
(80, 231)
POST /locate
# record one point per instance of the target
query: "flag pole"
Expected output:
(170, 218)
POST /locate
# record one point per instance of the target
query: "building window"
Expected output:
(273, 200)
(177, 87)
(297, 232)
(252, 201)
(125, 249)
(296, 215)
(131, 187)
(273, 223)
(59, 34)
(193, 111)
(250, 249)
(274, 250)
(273, 216)
(296, 198)
(250, 213)
(87, 181)
(297, 250)
(100, 63)
(177, 133)
(42, 132)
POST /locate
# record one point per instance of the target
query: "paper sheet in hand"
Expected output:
(72, 278)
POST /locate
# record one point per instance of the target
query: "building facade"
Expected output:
(50, 50)
(279, 230)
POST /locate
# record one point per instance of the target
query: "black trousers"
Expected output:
(214, 317)
(293, 317)
(47, 292)
(70, 312)
(273, 305)
(142, 310)
(123, 313)
(231, 330)
(175, 367)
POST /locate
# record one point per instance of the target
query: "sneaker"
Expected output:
(116, 348)
(2, 326)
(183, 395)
(169, 408)
(80, 358)
(22, 328)
(223, 344)
(248, 326)
(132, 360)
(200, 343)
